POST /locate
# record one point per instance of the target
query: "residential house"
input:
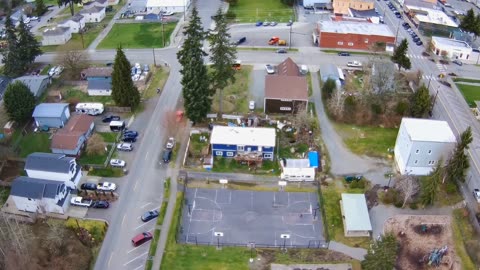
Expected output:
(40, 195)
(113, 2)
(331, 71)
(76, 23)
(137, 6)
(99, 88)
(286, 91)
(18, 15)
(93, 14)
(421, 144)
(52, 115)
(97, 3)
(97, 73)
(356, 220)
(36, 83)
(299, 169)
(71, 139)
(55, 167)
(4, 81)
(229, 141)
(454, 49)
(167, 5)
(342, 6)
(56, 36)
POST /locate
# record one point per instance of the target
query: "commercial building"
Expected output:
(431, 22)
(343, 6)
(454, 49)
(167, 5)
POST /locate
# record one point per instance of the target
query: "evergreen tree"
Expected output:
(28, 46)
(195, 84)
(223, 56)
(459, 163)
(328, 88)
(469, 22)
(10, 54)
(124, 92)
(382, 254)
(430, 184)
(40, 7)
(19, 102)
(420, 102)
(70, 4)
(400, 55)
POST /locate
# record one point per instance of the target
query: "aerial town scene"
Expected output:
(239, 134)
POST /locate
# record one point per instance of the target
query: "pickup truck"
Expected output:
(106, 186)
(354, 64)
(79, 201)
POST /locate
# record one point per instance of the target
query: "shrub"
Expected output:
(390, 197)
(231, 15)
(413, 206)
(358, 184)
(450, 188)
(401, 108)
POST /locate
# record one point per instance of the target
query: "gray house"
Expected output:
(36, 83)
(52, 115)
(56, 36)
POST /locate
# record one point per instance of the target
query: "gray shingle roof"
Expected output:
(48, 162)
(94, 9)
(76, 18)
(35, 188)
(49, 109)
(99, 84)
(33, 82)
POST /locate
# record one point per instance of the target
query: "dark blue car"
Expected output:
(259, 24)
(149, 215)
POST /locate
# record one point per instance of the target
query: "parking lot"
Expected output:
(237, 217)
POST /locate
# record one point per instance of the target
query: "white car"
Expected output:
(170, 143)
(270, 69)
(117, 163)
(106, 186)
(51, 72)
(124, 147)
(59, 70)
(26, 20)
(354, 64)
(34, 18)
(251, 105)
(167, 13)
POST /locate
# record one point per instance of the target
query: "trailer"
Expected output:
(90, 108)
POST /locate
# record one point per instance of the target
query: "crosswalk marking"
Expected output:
(429, 77)
(441, 67)
(416, 56)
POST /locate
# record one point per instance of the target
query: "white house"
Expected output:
(55, 167)
(167, 5)
(99, 88)
(98, 3)
(356, 220)
(56, 36)
(299, 169)
(421, 143)
(40, 195)
(93, 14)
(454, 49)
(75, 23)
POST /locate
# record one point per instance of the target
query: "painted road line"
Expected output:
(136, 258)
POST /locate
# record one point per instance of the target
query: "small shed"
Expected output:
(356, 220)
(52, 115)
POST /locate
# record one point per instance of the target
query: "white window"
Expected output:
(219, 153)
(417, 151)
(229, 154)
(340, 43)
(366, 40)
(240, 148)
(429, 152)
(267, 156)
(285, 108)
(285, 100)
(350, 43)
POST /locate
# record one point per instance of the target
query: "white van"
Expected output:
(90, 108)
(117, 126)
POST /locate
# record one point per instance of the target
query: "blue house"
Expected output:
(97, 73)
(236, 141)
(52, 115)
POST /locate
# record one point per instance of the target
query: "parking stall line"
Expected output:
(136, 258)
(141, 266)
(143, 206)
(145, 223)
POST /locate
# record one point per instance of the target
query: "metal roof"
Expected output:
(35, 188)
(48, 162)
(356, 212)
(49, 109)
(330, 71)
(55, 31)
(428, 130)
(450, 42)
(243, 136)
(359, 28)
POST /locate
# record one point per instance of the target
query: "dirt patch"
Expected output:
(372, 196)
(420, 237)
(10, 170)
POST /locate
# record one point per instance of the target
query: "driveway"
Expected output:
(257, 84)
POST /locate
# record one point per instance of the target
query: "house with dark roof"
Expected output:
(40, 195)
(71, 139)
(55, 167)
(56, 36)
(99, 88)
(36, 83)
(52, 115)
(93, 14)
(97, 73)
(286, 91)
(75, 23)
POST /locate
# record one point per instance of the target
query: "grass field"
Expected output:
(34, 142)
(471, 93)
(370, 141)
(109, 137)
(466, 80)
(94, 159)
(235, 96)
(70, 92)
(137, 35)
(265, 10)
(464, 237)
(158, 80)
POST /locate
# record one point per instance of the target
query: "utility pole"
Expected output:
(396, 35)
(154, 60)
(290, 36)
(80, 30)
(163, 32)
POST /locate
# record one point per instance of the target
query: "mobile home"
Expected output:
(90, 108)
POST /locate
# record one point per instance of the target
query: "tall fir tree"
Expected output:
(431, 183)
(469, 22)
(29, 47)
(70, 4)
(10, 53)
(382, 254)
(124, 92)
(19, 102)
(459, 163)
(223, 56)
(195, 83)
(40, 7)
(420, 103)
(400, 55)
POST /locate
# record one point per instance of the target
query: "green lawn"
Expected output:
(94, 159)
(466, 244)
(106, 172)
(370, 141)
(235, 96)
(109, 137)
(466, 80)
(471, 93)
(229, 165)
(70, 93)
(265, 10)
(34, 142)
(137, 35)
(158, 80)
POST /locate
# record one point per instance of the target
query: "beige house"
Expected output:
(343, 6)
(56, 36)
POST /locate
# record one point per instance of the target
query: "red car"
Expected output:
(141, 238)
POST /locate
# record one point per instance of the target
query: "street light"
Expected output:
(284, 237)
(218, 235)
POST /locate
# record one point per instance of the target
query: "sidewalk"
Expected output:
(356, 253)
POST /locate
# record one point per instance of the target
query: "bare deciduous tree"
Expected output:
(336, 104)
(96, 145)
(74, 59)
(382, 78)
(408, 186)
(14, 243)
(54, 240)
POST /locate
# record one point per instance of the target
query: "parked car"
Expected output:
(59, 70)
(88, 186)
(141, 238)
(419, 43)
(251, 105)
(350, 178)
(170, 143)
(259, 24)
(106, 186)
(26, 20)
(281, 51)
(129, 139)
(458, 62)
(241, 40)
(445, 83)
(476, 194)
(266, 23)
(290, 23)
(130, 133)
(79, 201)
(273, 23)
(343, 54)
(34, 18)
(167, 155)
(270, 69)
(117, 163)
(166, 13)
(149, 215)
(354, 64)
(100, 204)
(110, 118)
(146, 68)
(51, 71)
(124, 147)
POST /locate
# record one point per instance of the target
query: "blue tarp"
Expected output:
(313, 158)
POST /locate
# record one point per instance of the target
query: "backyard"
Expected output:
(98, 159)
(471, 93)
(31, 142)
(366, 140)
(235, 96)
(74, 94)
(266, 10)
(138, 35)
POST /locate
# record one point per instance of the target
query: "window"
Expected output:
(240, 148)
(416, 161)
(285, 109)
(417, 151)
(350, 43)
(431, 162)
(229, 154)
(429, 152)
(219, 153)
(340, 43)
(267, 156)
(366, 40)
